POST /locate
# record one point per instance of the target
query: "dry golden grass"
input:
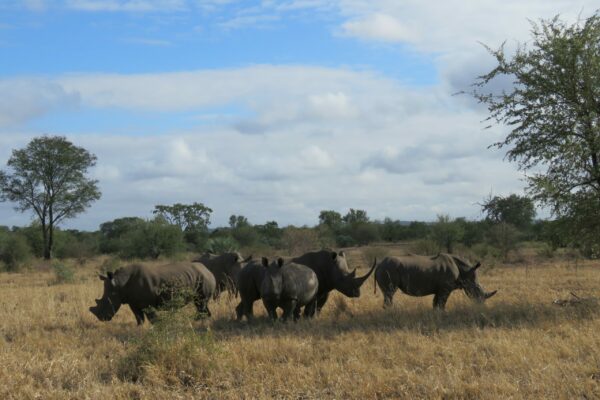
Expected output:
(520, 345)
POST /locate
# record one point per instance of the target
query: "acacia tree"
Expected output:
(553, 111)
(49, 177)
(513, 209)
(193, 219)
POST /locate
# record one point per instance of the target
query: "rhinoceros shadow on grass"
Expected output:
(414, 319)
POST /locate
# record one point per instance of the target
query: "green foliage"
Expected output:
(505, 237)
(192, 219)
(238, 221)
(446, 233)
(330, 218)
(222, 244)
(112, 233)
(172, 351)
(270, 234)
(63, 273)
(552, 111)
(48, 178)
(393, 231)
(354, 217)
(515, 210)
(75, 244)
(152, 239)
(14, 250)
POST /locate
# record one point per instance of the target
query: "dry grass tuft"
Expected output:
(519, 345)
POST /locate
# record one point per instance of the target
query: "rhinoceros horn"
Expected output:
(489, 294)
(476, 266)
(362, 279)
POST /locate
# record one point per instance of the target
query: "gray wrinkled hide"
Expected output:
(226, 268)
(424, 275)
(288, 286)
(142, 286)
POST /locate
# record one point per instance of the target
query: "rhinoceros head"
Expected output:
(470, 284)
(234, 266)
(272, 284)
(347, 283)
(107, 306)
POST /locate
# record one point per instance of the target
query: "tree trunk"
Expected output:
(46, 249)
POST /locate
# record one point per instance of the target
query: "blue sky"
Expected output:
(270, 109)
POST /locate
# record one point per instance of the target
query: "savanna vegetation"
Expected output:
(537, 338)
(534, 339)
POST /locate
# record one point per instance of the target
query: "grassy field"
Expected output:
(520, 345)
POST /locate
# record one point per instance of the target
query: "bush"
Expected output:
(299, 240)
(424, 247)
(14, 251)
(63, 273)
(152, 239)
(172, 352)
(221, 244)
(485, 251)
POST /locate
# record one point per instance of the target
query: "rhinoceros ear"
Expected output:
(265, 262)
(109, 275)
(342, 254)
(475, 267)
(279, 262)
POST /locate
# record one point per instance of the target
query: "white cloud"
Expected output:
(379, 27)
(26, 98)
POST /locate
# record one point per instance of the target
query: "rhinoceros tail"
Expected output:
(375, 280)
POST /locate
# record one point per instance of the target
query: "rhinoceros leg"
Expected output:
(239, 311)
(202, 307)
(320, 302)
(440, 299)
(309, 309)
(388, 295)
(289, 307)
(139, 314)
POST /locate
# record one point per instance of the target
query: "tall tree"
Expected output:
(49, 177)
(332, 219)
(446, 233)
(553, 111)
(189, 217)
(513, 209)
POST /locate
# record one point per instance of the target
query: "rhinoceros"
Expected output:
(249, 281)
(144, 287)
(333, 273)
(424, 275)
(330, 268)
(289, 286)
(226, 268)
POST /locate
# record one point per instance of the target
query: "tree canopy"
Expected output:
(48, 176)
(553, 111)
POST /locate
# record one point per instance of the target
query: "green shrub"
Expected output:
(221, 244)
(63, 273)
(172, 352)
(152, 239)
(14, 251)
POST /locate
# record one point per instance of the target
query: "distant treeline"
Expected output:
(183, 228)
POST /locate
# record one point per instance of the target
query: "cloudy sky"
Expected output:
(270, 109)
